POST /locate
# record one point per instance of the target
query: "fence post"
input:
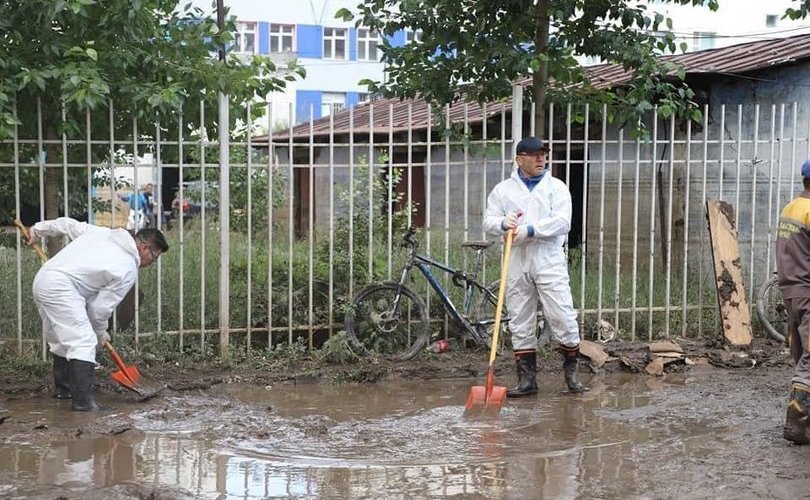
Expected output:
(224, 226)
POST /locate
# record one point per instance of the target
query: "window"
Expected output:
(771, 20)
(334, 43)
(367, 42)
(332, 102)
(413, 36)
(363, 97)
(703, 40)
(245, 39)
(281, 38)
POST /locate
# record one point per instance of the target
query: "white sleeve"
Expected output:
(559, 222)
(494, 214)
(63, 226)
(101, 307)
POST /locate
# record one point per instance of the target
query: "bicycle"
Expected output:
(771, 310)
(390, 319)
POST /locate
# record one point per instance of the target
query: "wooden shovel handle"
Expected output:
(27, 235)
(507, 249)
(114, 355)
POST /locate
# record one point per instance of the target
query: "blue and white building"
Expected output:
(335, 53)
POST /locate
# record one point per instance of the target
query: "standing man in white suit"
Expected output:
(537, 207)
(77, 291)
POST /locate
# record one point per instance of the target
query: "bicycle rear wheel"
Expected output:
(771, 310)
(389, 320)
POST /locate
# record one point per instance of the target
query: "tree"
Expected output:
(148, 60)
(475, 49)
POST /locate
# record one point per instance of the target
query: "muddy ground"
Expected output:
(739, 394)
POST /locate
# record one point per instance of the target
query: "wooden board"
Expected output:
(734, 310)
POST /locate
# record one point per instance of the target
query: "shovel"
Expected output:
(130, 377)
(127, 376)
(489, 399)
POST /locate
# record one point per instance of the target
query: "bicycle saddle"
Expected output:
(478, 245)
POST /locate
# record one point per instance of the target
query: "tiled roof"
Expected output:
(395, 115)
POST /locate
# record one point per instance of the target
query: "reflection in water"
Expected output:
(553, 447)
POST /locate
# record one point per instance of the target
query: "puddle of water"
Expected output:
(392, 440)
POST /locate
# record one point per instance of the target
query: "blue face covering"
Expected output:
(531, 181)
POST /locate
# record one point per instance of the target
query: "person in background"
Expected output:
(537, 207)
(140, 211)
(793, 269)
(76, 292)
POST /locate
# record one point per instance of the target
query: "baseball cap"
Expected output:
(535, 144)
(806, 169)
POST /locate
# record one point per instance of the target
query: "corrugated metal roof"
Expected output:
(395, 115)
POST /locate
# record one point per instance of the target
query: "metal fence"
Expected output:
(316, 210)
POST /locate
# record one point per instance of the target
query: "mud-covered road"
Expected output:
(711, 429)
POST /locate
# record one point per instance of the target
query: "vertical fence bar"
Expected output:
(331, 225)
(290, 227)
(619, 192)
(721, 140)
(429, 195)
(181, 297)
(484, 158)
(738, 165)
(112, 181)
(65, 193)
(754, 162)
(88, 163)
(634, 280)
(390, 200)
(601, 251)
(370, 191)
(409, 152)
(651, 263)
(311, 220)
(136, 221)
(203, 225)
(351, 201)
(503, 145)
(270, 202)
(447, 178)
(466, 163)
(158, 209)
(17, 207)
(224, 130)
(568, 147)
(774, 204)
(585, 187)
(249, 167)
(670, 196)
(703, 199)
(688, 185)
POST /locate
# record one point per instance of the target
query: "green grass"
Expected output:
(200, 293)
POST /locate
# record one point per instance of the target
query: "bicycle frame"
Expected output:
(424, 264)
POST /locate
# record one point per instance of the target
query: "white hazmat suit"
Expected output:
(538, 269)
(78, 289)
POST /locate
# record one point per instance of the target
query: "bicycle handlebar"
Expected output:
(408, 239)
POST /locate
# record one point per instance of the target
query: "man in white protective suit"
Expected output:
(537, 207)
(77, 290)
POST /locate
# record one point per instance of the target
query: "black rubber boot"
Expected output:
(570, 368)
(527, 375)
(797, 427)
(61, 377)
(83, 385)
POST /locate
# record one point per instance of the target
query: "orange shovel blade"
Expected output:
(128, 376)
(486, 399)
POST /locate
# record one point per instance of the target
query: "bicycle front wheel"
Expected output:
(389, 320)
(771, 310)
